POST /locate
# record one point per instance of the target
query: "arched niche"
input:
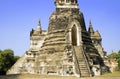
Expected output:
(74, 35)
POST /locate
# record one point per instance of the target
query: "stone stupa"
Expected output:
(66, 48)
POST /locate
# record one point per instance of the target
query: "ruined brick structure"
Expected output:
(66, 48)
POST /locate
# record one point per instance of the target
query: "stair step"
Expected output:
(82, 64)
(83, 70)
(85, 75)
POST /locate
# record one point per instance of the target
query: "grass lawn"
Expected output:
(115, 75)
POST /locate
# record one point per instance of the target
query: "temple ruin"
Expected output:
(67, 48)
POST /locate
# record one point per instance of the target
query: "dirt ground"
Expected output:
(28, 76)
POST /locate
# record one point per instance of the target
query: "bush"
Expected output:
(7, 59)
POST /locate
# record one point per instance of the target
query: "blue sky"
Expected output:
(18, 17)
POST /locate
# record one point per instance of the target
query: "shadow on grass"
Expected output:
(10, 76)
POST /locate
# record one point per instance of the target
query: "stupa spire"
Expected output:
(91, 30)
(66, 3)
(39, 26)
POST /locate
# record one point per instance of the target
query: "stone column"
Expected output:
(80, 37)
(70, 37)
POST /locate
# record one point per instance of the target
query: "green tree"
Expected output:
(112, 56)
(118, 59)
(0, 51)
(7, 59)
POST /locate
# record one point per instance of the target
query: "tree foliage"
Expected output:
(7, 59)
(112, 56)
(115, 56)
(118, 58)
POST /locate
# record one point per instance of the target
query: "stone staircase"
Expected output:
(81, 62)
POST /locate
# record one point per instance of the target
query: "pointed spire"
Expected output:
(39, 26)
(90, 28)
(90, 23)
